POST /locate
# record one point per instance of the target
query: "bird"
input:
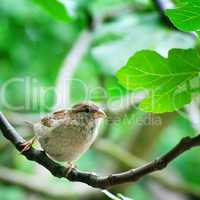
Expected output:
(66, 134)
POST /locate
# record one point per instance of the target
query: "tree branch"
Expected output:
(89, 178)
(129, 160)
(125, 104)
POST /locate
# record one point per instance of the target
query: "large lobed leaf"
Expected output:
(186, 17)
(165, 79)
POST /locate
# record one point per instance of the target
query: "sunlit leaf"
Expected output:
(187, 16)
(165, 79)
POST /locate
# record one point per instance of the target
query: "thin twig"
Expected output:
(70, 64)
(125, 104)
(91, 179)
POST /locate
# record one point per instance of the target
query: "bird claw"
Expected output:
(70, 167)
(27, 145)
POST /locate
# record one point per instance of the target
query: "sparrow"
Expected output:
(66, 134)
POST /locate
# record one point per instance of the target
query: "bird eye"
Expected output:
(87, 110)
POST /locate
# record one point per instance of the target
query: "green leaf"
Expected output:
(165, 79)
(166, 102)
(187, 16)
(55, 8)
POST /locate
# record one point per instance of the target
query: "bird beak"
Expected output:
(99, 114)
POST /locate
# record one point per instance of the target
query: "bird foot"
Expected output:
(27, 145)
(70, 167)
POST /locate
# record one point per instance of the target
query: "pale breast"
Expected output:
(67, 141)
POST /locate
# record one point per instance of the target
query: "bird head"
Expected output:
(88, 109)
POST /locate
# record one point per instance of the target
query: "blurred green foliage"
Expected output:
(31, 44)
(11, 193)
